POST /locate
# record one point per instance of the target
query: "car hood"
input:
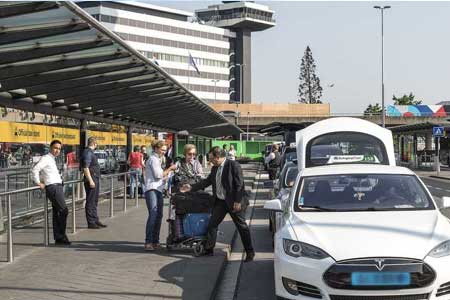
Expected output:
(345, 235)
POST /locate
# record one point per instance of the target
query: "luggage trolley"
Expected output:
(189, 215)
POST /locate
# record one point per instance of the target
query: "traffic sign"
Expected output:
(438, 131)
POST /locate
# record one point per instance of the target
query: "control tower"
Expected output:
(242, 18)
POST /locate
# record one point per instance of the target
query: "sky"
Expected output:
(345, 39)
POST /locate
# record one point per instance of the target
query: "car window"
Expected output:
(291, 156)
(362, 192)
(290, 176)
(345, 147)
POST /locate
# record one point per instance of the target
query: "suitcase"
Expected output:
(195, 225)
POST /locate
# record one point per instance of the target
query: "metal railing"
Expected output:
(9, 218)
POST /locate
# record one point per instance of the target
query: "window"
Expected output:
(362, 192)
(345, 147)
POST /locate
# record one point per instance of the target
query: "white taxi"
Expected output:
(356, 226)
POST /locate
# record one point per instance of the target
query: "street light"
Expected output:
(383, 114)
(215, 85)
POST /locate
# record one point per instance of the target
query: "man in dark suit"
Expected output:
(228, 190)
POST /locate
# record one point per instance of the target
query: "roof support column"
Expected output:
(83, 144)
(204, 160)
(174, 146)
(129, 140)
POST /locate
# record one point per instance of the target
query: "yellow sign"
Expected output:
(67, 136)
(119, 139)
(14, 132)
(142, 139)
(103, 138)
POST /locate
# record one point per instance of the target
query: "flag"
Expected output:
(192, 63)
(155, 61)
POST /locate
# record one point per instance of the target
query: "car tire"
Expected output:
(281, 298)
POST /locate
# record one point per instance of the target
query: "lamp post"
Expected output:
(383, 110)
(215, 85)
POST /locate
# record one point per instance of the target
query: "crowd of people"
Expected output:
(155, 172)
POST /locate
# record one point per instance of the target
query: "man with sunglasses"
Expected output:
(47, 177)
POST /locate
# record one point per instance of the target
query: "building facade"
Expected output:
(206, 56)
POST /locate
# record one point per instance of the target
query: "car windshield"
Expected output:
(291, 175)
(359, 192)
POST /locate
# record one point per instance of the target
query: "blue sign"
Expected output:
(438, 131)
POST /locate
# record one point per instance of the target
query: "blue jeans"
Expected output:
(133, 180)
(154, 200)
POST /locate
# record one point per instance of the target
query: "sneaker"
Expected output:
(149, 247)
(100, 224)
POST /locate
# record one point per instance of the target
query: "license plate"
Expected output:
(380, 278)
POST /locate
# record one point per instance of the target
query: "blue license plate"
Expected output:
(380, 278)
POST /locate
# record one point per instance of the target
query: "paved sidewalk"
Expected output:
(110, 263)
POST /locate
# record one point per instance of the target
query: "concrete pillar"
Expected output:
(243, 57)
(402, 147)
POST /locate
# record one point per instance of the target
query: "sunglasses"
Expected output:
(191, 153)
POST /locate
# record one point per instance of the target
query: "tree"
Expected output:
(406, 100)
(373, 109)
(309, 90)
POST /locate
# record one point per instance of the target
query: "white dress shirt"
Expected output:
(46, 170)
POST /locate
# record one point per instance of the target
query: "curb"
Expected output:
(229, 249)
(439, 177)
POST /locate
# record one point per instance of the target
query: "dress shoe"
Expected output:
(249, 257)
(101, 224)
(156, 246)
(64, 242)
(93, 226)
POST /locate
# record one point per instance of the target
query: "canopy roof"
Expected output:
(57, 59)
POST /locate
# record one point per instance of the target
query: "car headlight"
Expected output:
(299, 249)
(443, 249)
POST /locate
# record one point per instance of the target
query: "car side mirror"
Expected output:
(274, 205)
(290, 183)
(445, 202)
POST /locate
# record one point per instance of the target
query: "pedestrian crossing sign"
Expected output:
(438, 131)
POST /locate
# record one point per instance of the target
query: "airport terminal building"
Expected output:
(209, 52)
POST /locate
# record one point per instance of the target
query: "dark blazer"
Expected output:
(232, 182)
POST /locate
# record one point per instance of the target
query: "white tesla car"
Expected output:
(361, 231)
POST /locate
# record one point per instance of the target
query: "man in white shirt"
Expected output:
(46, 175)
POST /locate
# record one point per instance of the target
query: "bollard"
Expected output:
(28, 193)
(125, 192)
(10, 240)
(46, 220)
(137, 189)
(111, 198)
(74, 225)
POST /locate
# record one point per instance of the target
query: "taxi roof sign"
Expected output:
(342, 159)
